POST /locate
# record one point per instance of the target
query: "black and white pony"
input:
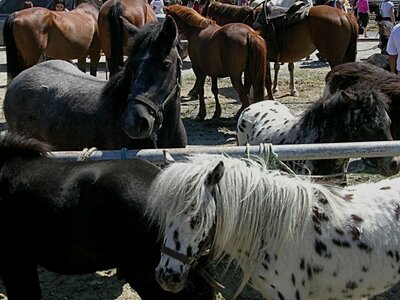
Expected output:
(75, 218)
(138, 108)
(293, 239)
(356, 116)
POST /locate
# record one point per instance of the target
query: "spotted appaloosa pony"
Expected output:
(342, 117)
(293, 239)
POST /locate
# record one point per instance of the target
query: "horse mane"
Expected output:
(119, 84)
(337, 105)
(345, 75)
(13, 144)
(233, 12)
(188, 16)
(263, 211)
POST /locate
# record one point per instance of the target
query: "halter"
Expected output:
(158, 109)
(192, 261)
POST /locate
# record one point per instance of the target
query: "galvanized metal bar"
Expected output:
(284, 152)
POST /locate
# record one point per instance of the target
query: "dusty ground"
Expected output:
(309, 76)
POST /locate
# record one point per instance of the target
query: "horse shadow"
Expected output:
(313, 64)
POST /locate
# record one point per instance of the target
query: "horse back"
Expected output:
(96, 207)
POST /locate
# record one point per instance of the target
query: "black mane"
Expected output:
(146, 38)
(12, 145)
(337, 105)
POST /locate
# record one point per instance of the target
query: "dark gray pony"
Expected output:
(78, 217)
(138, 108)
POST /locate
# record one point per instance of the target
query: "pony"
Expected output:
(292, 238)
(138, 108)
(346, 116)
(75, 218)
(350, 75)
(113, 32)
(222, 51)
(330, 31)
(31, 33)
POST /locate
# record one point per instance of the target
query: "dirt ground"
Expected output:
(309, 75)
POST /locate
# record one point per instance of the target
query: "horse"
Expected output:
(74, 218)
(347, 116)
(330, 31)
(292, 238)
(222, 51)
(113, 34)
(31, 33)
(137, 108)
(350, 75)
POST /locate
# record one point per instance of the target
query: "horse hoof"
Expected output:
(216, 116)
(200, 117)
(193, 97)
(294, 93)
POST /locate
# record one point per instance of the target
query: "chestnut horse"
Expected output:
(326, 29)
(226, 51)
(113, 33)
(37, 31)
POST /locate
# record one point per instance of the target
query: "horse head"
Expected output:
(188, 234)
(367, 120)
(153, 71)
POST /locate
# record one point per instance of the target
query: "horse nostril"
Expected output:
(394, 166)
(144, 125)
(176, 278)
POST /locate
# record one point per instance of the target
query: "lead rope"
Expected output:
(86, 153)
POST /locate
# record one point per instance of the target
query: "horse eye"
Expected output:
(167, 64)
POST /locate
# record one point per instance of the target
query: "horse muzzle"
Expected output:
(171, 281)
(387, 166)
(137, 122)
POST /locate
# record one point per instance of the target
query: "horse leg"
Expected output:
(193, 94)
(199, 86)
(20, 279)
(276, 71)
(243, 96)
(82, 63)
(293, 91)
(94, 63)
(214, 90)
(268, 83)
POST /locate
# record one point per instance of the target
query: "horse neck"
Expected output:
(190, 31)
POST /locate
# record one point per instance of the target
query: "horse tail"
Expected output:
(116, 58)
(14, 62)
(351, 51)
(256, 64)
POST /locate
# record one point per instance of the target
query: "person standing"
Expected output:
(393, 49)
(387, 11)
(158, 6)
(59, 5)
(362, 7)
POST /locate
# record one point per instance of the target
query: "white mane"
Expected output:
(256, 210)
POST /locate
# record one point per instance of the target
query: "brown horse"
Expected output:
(326, 29)
(113, 33)
(37, 31)
(226, 51)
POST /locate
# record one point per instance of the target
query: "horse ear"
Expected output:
(169, 28)
(215, 175)
(130, 28)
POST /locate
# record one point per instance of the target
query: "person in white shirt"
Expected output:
(158, 6)
(387, 10)
(393, 49)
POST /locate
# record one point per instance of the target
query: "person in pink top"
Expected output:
(363, 15)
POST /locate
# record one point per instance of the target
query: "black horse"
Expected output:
(75, 218)
(138, 108)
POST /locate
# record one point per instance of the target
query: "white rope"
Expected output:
(86, 153)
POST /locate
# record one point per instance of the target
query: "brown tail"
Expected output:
(351, 51)
(256, 64)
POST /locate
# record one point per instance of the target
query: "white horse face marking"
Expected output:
(185, 238)
(188, 236)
